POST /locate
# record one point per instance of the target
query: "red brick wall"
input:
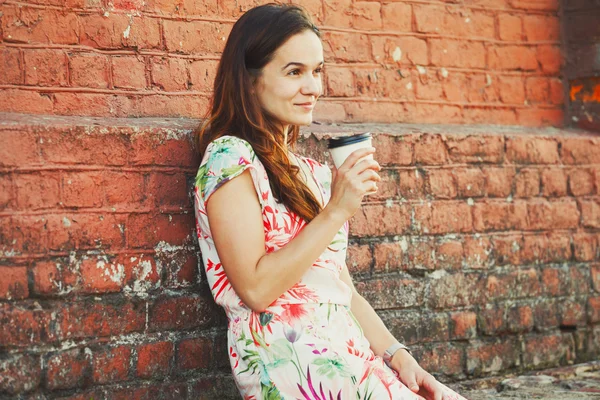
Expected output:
(482, 251)
(484, 61)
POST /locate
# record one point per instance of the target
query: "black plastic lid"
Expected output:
(347, 140)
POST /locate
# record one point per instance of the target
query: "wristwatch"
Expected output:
(389, 353)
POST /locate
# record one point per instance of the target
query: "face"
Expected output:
(290, 84)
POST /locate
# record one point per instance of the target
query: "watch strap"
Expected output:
(390, 351)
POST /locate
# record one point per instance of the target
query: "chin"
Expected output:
(304, 120)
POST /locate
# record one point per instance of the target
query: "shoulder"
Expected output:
(228, 146)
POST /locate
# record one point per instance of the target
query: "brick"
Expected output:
(540, 117)
(202, 74)
(379, 220)
(25, 101)
(590, 213)
(397, 16)
(174, 229)
(519, 319)
(76, 146)
(169, 74)
(527, 183)
(470, 182)
(23, 326)
(506, 249)
(427, 87)
(432, 19)
(340, 82)
(195, 37)
(346, 47)
(82, 189)
(548, 350)
(557, 92)
(491, 357)
(554, 182)
(484, 115)
(389, 186)
(491, 320)
(433, 327)
(111, 364)
(404, 49)
(14, 283)
(572, 313)
(389, 256)
(154, 359)
(7, 193)
(447, 217)
(510, 27)
(541, 28)
(538, 90)
(366, 15)
(85, 231)
(455, 87)
(195, 353)
(29, 234)
(442, 183)
(545, 315)
(403, 324)
(68, 369)
(393, 150)
(476, 252)
(449, 254)
(38, 25)
(129, 72)
(45, 67)
(463, 325)
(593, 309)
(580, 150)
(550, 58)
(397, 293)
(454, 290)
(11, 64)
(511, 89)
(411, 184)
(177, 313)
(585, 246)
(37, 191)
(551, 281)
(581, 182)
(338, 13)
(443, 358)
(545, 5)
(169, 189)
(126, 190)
(454, 53)
(430, 150)
(512, 58)
(549, 215)
(557, 249)
(498, 181)
(421, 255)
(20, 373)
(151, 148)
(89, 70)
(525, 150)
(83, 319)
(99, 276)
(475, 149)
(499, 216)
(118, 31)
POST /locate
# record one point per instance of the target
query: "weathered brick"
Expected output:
(394, 50)
(196, 353)
(498, 181)
(89, 70)
(463, 325)
(14, 284)
(68, 369)
(476, 148)
(476, 252)
(421, 254)
(511, 89)
(510, 27)
(532, 150)
(129, 72)
(20, 373)
(548, 350)
(554, 182)
(389, 256)
(470, 182)
(572, 312)
(379, 220)
(185, 312)
(11, 64)
(585, 246)
(169, 74)
(580, 150)
(154, 359)
(443, 217)
(340, 82)
(527, 183)
(411, 184)
(453, 290)
(581, 182)
(442, 183)
(397, 16)
(499, 216)
(492, 356)
(512, 58)
(443, 358)
(449, 254)
(111, 364)
(367, 15)
(545, 315)
(590, 213)
(397, 293)
(455, 53)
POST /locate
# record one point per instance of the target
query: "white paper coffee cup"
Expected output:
(341, 147)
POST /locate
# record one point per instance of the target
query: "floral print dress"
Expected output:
(307, 344)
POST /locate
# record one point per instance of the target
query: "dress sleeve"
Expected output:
(227, 157)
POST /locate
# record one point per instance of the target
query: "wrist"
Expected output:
(394, 349)
(400, 358)
(335, 215)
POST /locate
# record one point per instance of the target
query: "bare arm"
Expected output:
(235, 218)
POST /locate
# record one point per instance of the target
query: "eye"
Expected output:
(295, 71)
(318, 70)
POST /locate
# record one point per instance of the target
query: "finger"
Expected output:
(366, 164)
(411, 382)
(369, 175)
(433, 387)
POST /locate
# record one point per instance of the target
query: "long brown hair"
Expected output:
(236, 111)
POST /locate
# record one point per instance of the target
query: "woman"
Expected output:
(273, 232)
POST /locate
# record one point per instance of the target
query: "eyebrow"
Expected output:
(299, 64)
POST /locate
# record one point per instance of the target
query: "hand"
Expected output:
(353, 180)
(414, 377)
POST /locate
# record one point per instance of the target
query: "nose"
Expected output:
(312, 85)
